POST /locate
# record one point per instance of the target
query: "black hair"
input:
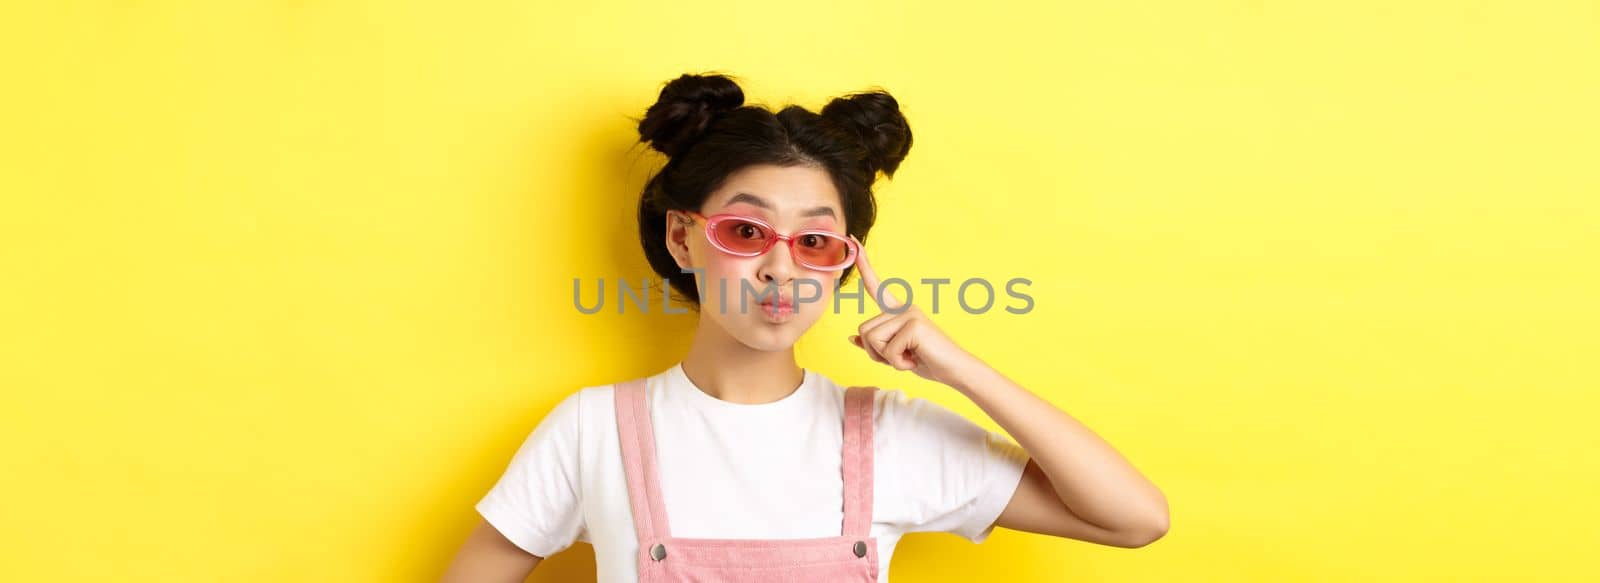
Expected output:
(707, 132)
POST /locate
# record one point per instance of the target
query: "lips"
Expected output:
(781, 304)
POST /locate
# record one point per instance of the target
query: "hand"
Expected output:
(906, 339)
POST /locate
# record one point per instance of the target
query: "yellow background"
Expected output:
(285, 284)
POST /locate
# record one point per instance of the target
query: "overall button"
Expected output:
(659, 552)
(861, 548)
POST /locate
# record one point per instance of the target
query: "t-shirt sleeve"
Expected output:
(536, 503)
(949, 473)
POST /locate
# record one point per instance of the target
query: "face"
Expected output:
(789, 198)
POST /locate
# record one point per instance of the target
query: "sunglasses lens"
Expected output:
(742, 236)
(822, 250)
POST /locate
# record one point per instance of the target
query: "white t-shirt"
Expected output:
(732, 470)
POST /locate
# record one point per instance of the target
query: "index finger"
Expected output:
(870, 279)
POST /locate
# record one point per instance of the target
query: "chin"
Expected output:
(766, 341)
(771, 347)
(768, 338)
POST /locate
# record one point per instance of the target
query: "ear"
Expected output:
(678, 240)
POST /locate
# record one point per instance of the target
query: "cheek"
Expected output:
(823, 288)
(712, 261)
(720, 268)
(727, 266)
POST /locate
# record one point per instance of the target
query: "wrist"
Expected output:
(968, 374)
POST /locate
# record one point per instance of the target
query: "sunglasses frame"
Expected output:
(713, 220)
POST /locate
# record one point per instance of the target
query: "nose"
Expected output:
(777, 266)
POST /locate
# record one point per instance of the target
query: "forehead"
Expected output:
(781, 191)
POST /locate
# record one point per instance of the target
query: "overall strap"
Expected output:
(638, 439)
(856, 460)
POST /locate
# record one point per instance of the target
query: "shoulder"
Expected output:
(596, 404)
(895, 409)
(924, 430)
(590, 403)
(589, 397)
(889, 404)
(578, 408)
(900, 419)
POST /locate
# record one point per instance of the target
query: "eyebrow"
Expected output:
(820, 211)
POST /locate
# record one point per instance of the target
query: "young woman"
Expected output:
(737, 464)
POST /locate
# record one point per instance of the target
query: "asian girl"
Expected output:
(738, 464)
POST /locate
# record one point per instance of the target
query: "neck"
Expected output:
(727, 369)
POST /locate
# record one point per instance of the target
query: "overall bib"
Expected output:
(851, 557)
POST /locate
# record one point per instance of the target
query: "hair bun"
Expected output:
(686, 107)
(875, 117)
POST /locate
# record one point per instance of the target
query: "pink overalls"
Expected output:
(663, 558)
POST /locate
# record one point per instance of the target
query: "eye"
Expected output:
(747, 230)
(814, 241)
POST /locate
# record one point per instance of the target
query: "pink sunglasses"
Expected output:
(744, 236)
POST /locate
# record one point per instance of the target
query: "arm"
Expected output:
(533, 510)
(488, 557)
(1076, 485)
